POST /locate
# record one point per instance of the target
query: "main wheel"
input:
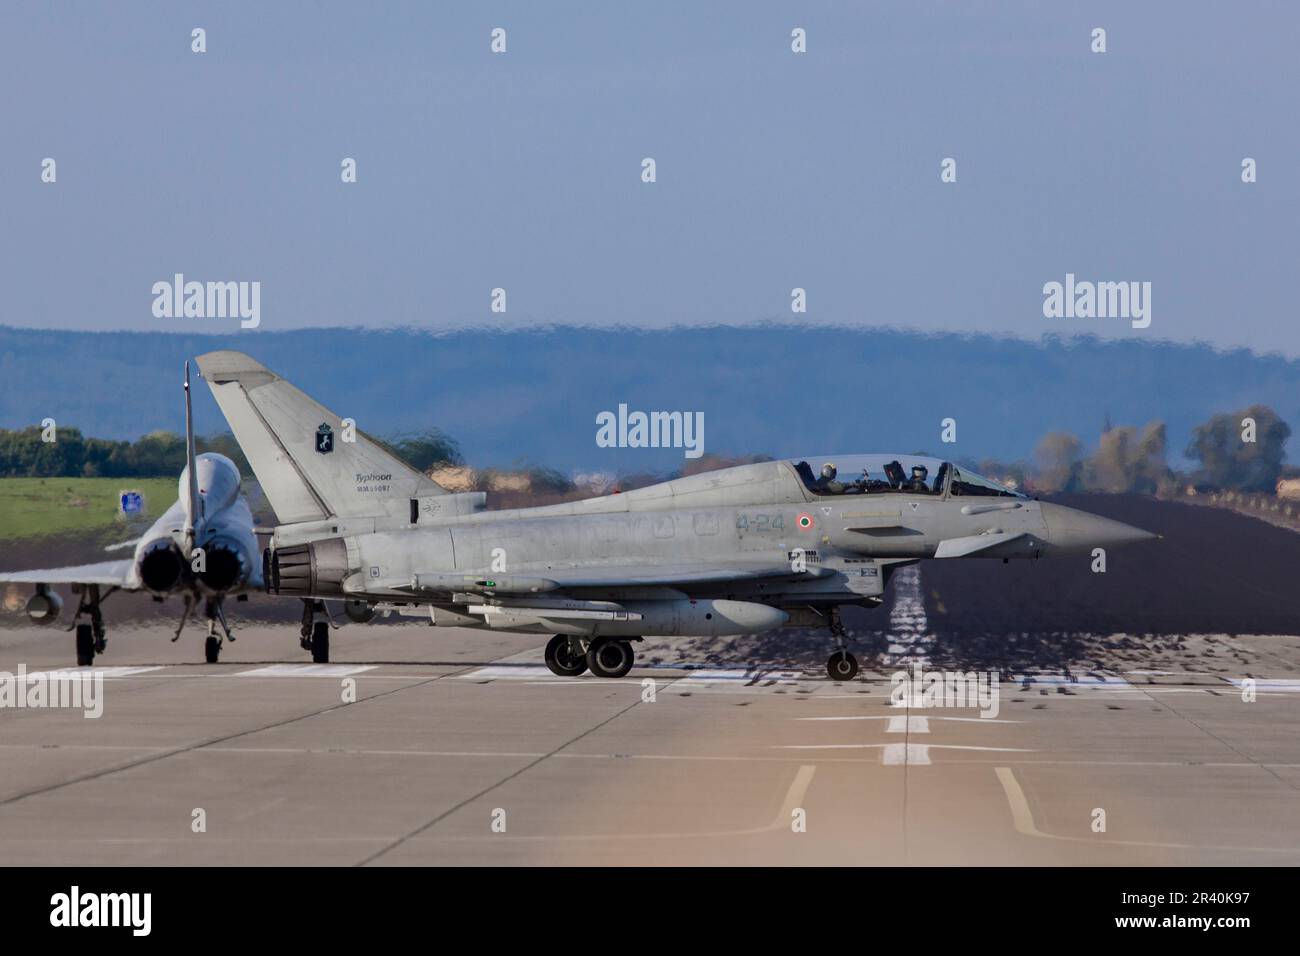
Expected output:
(85, 645)
(211, 650)
(610, 658)
(842, 666)
(560, 657)
(320, 642)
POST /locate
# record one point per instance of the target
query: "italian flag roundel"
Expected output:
(804, 521)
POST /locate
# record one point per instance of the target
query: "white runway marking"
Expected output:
(794, 796)
(898, 754)
(1107, 681)
(1023, 820)
(736, 680)
(108, 673)
(691, 677)
(1276, 685)
(908, 725)
(972, 720)
(908, 626)
(307, 670)
(517, 672)
(697, 678)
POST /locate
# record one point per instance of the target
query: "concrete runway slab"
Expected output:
(460, 748)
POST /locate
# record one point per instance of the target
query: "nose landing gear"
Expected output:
(216, 615)
(841, 665)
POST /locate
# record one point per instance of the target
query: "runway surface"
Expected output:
(1120, 704)
(460, 748)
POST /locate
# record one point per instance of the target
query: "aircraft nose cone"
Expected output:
(1069, 529)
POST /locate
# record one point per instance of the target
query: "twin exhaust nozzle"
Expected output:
(163, 568)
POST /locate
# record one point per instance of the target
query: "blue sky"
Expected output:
(775, 170)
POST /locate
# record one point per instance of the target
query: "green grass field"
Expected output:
(31, 507)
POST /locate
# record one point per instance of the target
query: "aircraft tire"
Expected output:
(211, 650)
(842, 666)
(610, 658)
(560, 659)
(85, 645)
(320, 642)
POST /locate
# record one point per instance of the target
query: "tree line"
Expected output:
(1241, 451)
(24, 453)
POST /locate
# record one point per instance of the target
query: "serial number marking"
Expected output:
(760, 523)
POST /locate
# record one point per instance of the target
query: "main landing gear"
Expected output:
(92, 639)
(841, 665)
(565, 656)
(316, 631)
(568, 656)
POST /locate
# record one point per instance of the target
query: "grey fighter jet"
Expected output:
(203, 548)
(737, 551)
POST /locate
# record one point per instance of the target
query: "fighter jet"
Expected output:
(737, 551)
(203, 548)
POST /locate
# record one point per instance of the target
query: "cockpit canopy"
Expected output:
(893, 474)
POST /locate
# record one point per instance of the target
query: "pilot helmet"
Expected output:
(920, 471)
(828, 470)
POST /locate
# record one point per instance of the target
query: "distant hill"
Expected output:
(533, 396)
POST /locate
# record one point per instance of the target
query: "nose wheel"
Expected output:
(841, 665)
(216, 616)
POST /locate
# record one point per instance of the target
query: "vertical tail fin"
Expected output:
(310, 463)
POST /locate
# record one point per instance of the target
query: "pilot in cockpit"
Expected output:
(828, 484)
(918, 484)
